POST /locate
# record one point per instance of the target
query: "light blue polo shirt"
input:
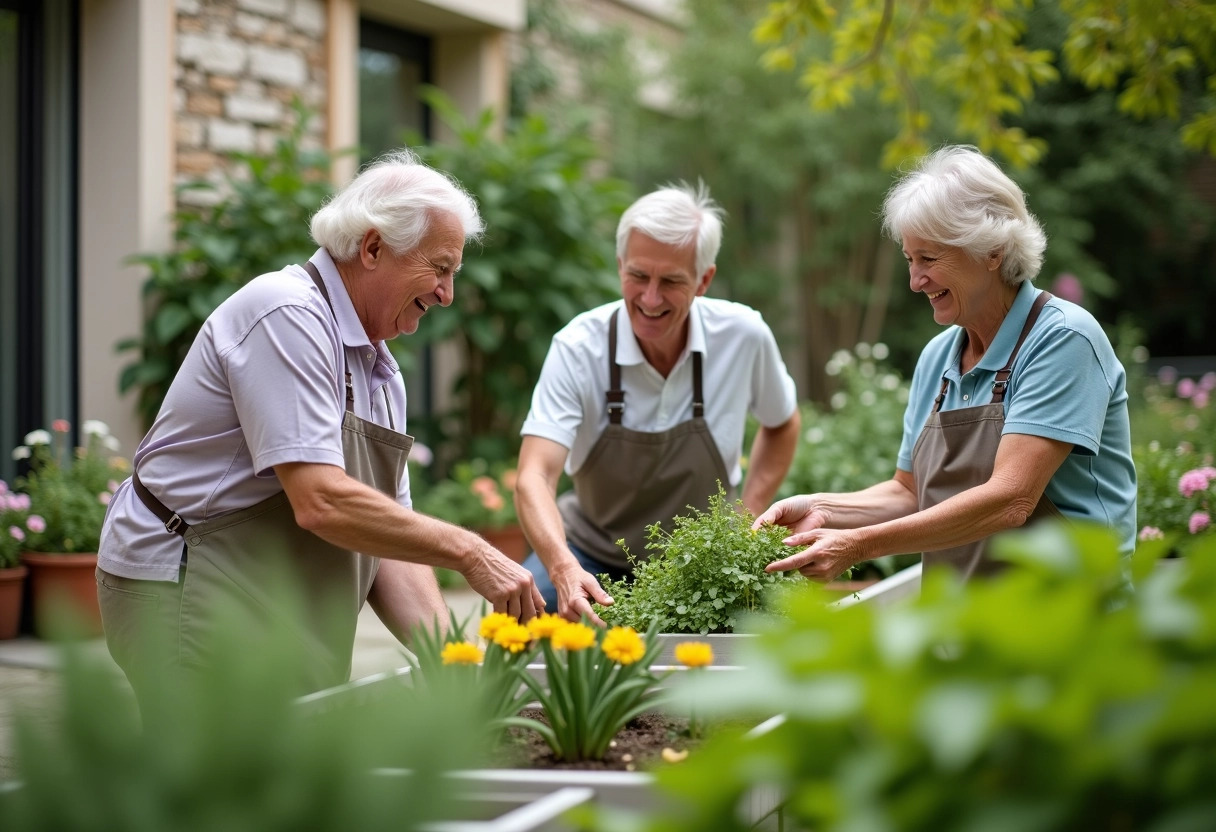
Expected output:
(1067, 385)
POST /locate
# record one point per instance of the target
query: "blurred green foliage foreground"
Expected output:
(1052, 698)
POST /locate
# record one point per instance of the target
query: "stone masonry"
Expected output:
(240, 64)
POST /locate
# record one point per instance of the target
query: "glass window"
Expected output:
(393, 65)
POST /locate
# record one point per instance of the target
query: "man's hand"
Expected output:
(576, 589)
(503, 582)
(831, 552)
(801, 513)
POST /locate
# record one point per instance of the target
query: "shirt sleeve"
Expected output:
(915, 413)
(283, 378)
(774, 396)
(1061, 392)
(557, 401)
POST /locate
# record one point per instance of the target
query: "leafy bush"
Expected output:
(69, 488)
(1177, 491)
(703, 576)
(477, 495)
(258, 224)
(1046, 699)
(548, 255)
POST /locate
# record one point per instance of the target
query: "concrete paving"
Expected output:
(29, 674)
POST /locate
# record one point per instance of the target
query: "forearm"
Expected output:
(884, 502)
(536, 505)
(771, 454)
(406, 596)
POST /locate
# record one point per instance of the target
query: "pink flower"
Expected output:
(1199, 521)
(1167, 375)
(1192, 482)
(61, 426)
(104, 498)
(1185, 389)
(15, 533)
(3, 487)
(483, 486)
(492, 502)
(19, 502)
(36, 524)
(1068, 287)
(1151, 533)
(509, 478)
(421, 454)
(112, 486)
(1200, 399)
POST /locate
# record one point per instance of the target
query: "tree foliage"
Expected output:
(974, 55)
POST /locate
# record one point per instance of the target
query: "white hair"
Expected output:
(678, 215)
(397, 195)
(959, 197)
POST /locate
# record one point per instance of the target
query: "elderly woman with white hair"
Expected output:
(277, 462)
(1017, 411)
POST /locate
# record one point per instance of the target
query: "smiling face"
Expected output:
(659, 282)
(961, 290)
(396, 290)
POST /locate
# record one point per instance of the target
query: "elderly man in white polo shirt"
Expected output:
(279, 454)
(644, 402)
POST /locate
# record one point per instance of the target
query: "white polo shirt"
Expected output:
(261, 386)
(742, 372)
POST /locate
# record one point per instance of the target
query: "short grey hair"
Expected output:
(678, 215)
(397, 195)
(959, 197)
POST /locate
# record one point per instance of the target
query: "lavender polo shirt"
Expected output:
(261, 386)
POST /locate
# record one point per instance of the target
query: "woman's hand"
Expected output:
(801, 513)
(830, 553)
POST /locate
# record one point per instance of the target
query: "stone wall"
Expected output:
(240, 63)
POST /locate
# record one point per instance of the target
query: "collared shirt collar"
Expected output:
(629, 352)
(997, 354)
(354, 336)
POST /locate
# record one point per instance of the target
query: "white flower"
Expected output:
(867, 369)
(862, 350)
(95, 427)
(843, 357)
(21, 452)
(815, 435)
(880, 351)
(38, 437)
(839, 400)
(1140, 354)
(1154, 446)
(111, 442)
(889, 381)
(867, 398)
(832, 368)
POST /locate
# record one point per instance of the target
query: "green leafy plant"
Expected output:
(445, 658)
(1049, 698)
(257, 222)
(476, 495)
(596, 681)
(14, 525)
(702, 576)
(548, 255)
(68, 488)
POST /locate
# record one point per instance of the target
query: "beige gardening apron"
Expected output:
(249, 555)
(956, 451)
(632, 479)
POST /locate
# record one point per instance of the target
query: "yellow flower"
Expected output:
(492, 622)
(514, 637)
(623, 645)
(694, 654)
(544, 626)
(573, 637)
(461, 652)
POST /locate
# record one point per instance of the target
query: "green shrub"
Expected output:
(1046, 699)
(258, 224)
(703, 576)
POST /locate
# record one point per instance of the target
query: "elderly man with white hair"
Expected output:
(1017, 411)
(279, 455)
(644, 402)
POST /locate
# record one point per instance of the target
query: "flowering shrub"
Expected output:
(703, 575)
(476, 496)
(16, 524)
(590, 693)
(69, 488)
(1177, 491)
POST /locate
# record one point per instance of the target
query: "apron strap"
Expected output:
(615, 396)
(173, 522)
(316, 278)
(1002, 375)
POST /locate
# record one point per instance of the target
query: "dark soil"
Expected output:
(637, 746)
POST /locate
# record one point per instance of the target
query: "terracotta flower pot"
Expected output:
(509, 540)
(64, 594)
(12, 586)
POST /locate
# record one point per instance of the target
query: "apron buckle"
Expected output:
(173, 524)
